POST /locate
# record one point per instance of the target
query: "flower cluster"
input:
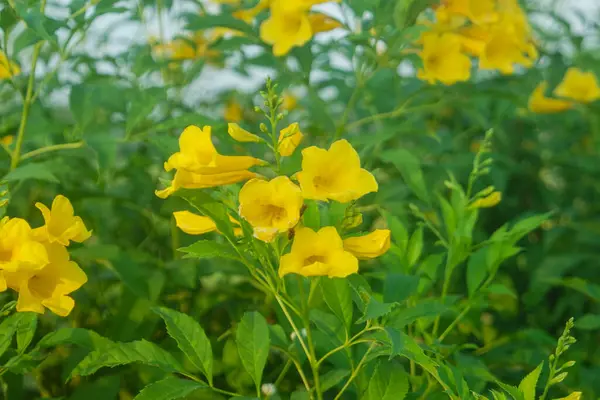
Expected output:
(273, 208)
(494, 31)
(577, 86)
(35, 262)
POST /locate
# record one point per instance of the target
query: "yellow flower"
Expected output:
(504, 50)
(7, 68)
(488, 201)
(572, 396)
(334, 174)
(289, 139)
(194, 224)
(285, 29)
(240, 134)
(579, 86)
(478, 11)
(49, 286)
(18, 249)
(271, 206)
(189, 180)
(318, 254)
(322, 23)
(295, 6)
(198, 154)
(233, 112)
(189, 48)
(61, 225)
(539, 103)
(290, 102)
(371, 245)
(443, 59)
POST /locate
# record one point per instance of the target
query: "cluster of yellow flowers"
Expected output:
(274, 207)
(35, 262)
(577, 86)
(495, 31)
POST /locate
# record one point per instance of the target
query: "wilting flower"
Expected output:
(539, 103)
(318, 254)
(371, 245)
(61, 224)
(271, 206)
(443, 59)
(289, 139)
(240, 134)
(579, 86)
(334, 174)
(50, 285)
(7, 68)
(233, 112)
(189, 180)
(194, 224)
(488, 201)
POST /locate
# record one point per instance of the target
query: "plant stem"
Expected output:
(445, 287)
(454, 323)
(355, 372)
(392, 114)
(314, 364)
(54, 147)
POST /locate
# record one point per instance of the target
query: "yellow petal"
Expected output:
(194, 224)
(323, 23)
(289, 139)
(368, 246)
(539, 103)
(240, 134)
(579, 86)
(285, 30)
(487, 202)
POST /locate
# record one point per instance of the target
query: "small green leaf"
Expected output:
(410, 169)
(588, 322)
(170, 388)
(528, 384)
(190, 338)
(204, 249)
(500, 289)
(415, 246)
(253, 341)
(399, 232)
(337, 295)
(300, 395)
(376, 309)
(8, 328)
(197, 22)
(388, 382)
(476, 270)
(312, 216)
(396, 341)
(37, 171)
(26, 330)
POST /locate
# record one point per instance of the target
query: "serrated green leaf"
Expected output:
(204, 249)
(8, 328)
(253, 341)
(388, 382)
(26, 330)
(77, 336)
(338, 297)
(190, 338)
(170, 388)
(528, 384)
(376, 309)
(396, 341)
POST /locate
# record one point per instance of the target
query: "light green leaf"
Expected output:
(476, 270)
(399, 232)
(415, 246)
(421, 309)
(388, 382)
(332, 378)
(26, 330)
(37, 171)
(588, 322)
(190, 338)
(116, 354)
(527, 385)
(312, 216)
(170, 388)
(204, 249)
(253, 341)
(501, 289)
(338, 297)
(8, 328)
(300, 395)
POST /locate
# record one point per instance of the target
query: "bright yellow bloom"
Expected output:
(189, 180)
(7, 68)
(240, 134)
(61, 224)
(478, 11)
(443, 59)
(488, 201)
(504, 50)
(194, 224)
(191, 48)
(579, 86)
(318, 254)
(18, 249)
(334, 174)
(289, 139)
(233, 112)
(539, 103)
(285, 30)
(290, 102)
(49, 286)
(371, 245)
(296, 6)
(198, 154)
(271, 207)
(322, 23)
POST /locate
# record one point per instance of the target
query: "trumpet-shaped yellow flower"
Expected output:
(539, 103)
(240, 134)
(318, 254)
(18, 249)
(334, 174)
(296, 6)
(579, 86)
(49, 286)
(189, 180)
(443, 59)
(271, 206)
(194, 224)
(61, 224)
(7, 68)
(198, 154)
(488, 201)
(504, 50)
(478, 11)
(322, 23)
(371, 245)
(289, 139)
(233, 112)
(285, 29)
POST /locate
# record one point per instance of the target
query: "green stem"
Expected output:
(454, 323)
(445, 287)
(284, 371)
(55, 147)
(392, 114)
(314, 365)
(355, 372)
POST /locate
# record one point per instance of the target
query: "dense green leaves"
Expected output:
(388, 382)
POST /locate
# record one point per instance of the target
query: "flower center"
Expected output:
(5, 255)
(275, 213)
(321, 182)
(40, 287)
(314, 259)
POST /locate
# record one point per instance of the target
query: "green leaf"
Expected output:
(588, 322)
(43, 26)
(376, 309)
(526, 225)
(37, 171)
(205, 249)
(8, 328)
(399, 232)
(329, 324)
(103, 388)
(116, 354)
(476, 270)
(332, 378)
(396, 341)
(527, 385)
(399, 287)
(361, 291)
(312, 216)
(337, 295)
(410, 169)
(300, 395)
(77, 336)
(415, 246)
(26, 330)
(253, 341)
(388, 382)
(190, 338)
(197, 22)
(422, 309)
(501, 289)
(170, 388)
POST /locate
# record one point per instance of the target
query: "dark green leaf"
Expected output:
(38, 171)
(396, 341)
(197, 22)
(415, 246)
(253, 341)
(399, 287)
(410, 168)
(332, 378)
(8, 328)
(170, 388)
(204, 249)
(77, 336)
(103, 388)
(337, 295)
(588, 322)
(476, 270)
(26, 330)
(376, 309)
(388, 382)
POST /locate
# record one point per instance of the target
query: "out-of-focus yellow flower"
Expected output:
(7, 68)
(322, 23)
(572, 396)
(579, 86)
(7, 140)
(189, 48)
(61, 224)
(271, 207)
(50, 285)
(285, 29)
(289, 139)
(318, 254)
(197, 154)
(478, 11)
(474, 38)
(240, 134)
(233, 112)
(334, 174)
(443, 59)
(189, 180)
(539, 103)
(290, 102)
(248, 15)
(504, 50)
(194, 224)
(371, 245)
(295, 6)
(488, 201)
